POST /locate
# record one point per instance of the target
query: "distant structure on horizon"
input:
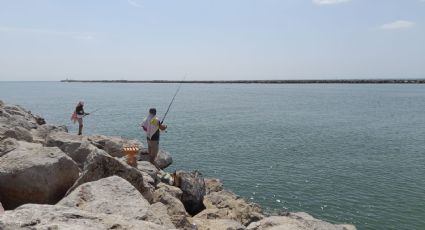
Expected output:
(336, 81)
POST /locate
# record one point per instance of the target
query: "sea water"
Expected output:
(340, 152)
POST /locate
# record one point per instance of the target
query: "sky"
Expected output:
(52, 40)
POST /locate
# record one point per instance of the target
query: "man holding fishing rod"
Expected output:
(152, 126)
(78, 115)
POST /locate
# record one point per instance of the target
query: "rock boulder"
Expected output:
(217, 224)
(163, 159)
(36, 216)
(113, 145)
(295, 221)
(111, 195)
(227, 205)
(101, 165)
(193, 186)
(32, 173)
(213, 185)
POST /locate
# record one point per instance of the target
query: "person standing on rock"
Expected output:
(78, 116)
(152, 126)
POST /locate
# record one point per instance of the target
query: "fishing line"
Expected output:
(172, 100)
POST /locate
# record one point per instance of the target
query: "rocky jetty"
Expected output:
(51, 179)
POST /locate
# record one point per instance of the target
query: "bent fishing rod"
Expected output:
(172, 100)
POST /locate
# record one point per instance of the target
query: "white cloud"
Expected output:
(23, 30)
(329, 2)
(134, 3)
(398, 25)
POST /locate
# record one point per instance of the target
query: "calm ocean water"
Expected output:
(343, 153)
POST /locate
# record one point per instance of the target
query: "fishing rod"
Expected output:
(172, 100)
(93, 111)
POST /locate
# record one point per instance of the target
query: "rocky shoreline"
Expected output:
(51, 179)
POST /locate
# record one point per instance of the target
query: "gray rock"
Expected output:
(32, 173)
(100, 165)
(7, 145)
(159, 215)
(47, 217)
(193, 186)
(113, 145)
(172, 190)
(19, 133)
(213, 185)
(148, 168)
(217, 224)
(296, 221)
(111, 195)
(167, 195)
(163, 159)
(77, 147)
(41, 133)
(227, 205)
(39, 120)
(1, 209)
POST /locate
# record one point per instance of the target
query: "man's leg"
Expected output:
(153, 151)
(80, 126)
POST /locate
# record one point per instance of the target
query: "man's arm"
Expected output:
(162, 126)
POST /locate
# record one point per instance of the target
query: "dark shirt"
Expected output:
(79, 110)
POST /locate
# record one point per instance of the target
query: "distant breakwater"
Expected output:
(345, 81)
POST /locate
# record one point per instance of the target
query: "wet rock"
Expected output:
(296, 221)
(193, 186)
(213, 185)
(227, 205)
(217, 224)
(32, 173)
(7, 145)
(35, 216)
(101, 165)
(113, 145)
(163, 159)
(111, 195)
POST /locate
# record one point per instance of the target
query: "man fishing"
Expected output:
(152, 126)
(78, 116)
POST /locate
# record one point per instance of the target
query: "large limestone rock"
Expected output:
(111, 195)
(150, 169)
(101, 165)
(193, 186)
(162, 160)
(213, 185)
(296, 221)
(7, 145)
(35, 216)
(41, 133)
(217, 224)
(158, 214)
(227, 205)
(19, 133)
(16, 116)
(32, 173)
(170, 197)
(113, 145)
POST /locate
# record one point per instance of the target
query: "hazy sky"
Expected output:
(211, 39)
